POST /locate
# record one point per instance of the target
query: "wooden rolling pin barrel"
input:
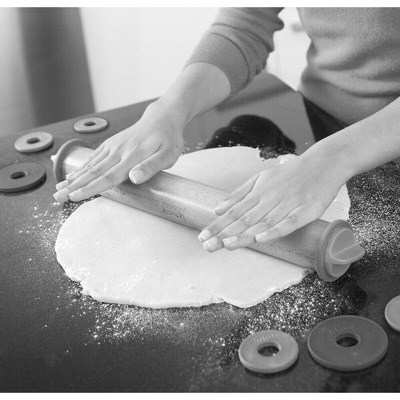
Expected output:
(327, 247)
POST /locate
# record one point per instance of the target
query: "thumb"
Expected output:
(145, 170)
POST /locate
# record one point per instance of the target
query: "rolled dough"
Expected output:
(123, 255)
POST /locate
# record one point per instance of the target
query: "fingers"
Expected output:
(162, 159)
(241, 232)
(295, 220)
(243, 224)
(236, 242)
(237, 195)
(105, 181)
(104, 171)
(81, 169)
(273, 227)
(288, 198)
(89, 173)
(247, 237)
(93, 159)
(282, 220)
(237, 214)
(232, 209)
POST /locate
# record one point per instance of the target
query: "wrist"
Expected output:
(168, 110)
(331, 157)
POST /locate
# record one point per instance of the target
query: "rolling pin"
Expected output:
(326, 247)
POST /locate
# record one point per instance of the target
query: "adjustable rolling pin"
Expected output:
(327, 247)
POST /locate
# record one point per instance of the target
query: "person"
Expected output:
(353, 73)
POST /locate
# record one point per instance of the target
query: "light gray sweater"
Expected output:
(353, 61)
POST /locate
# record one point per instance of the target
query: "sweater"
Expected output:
(353, 62)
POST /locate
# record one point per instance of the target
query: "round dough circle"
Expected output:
(123, 255)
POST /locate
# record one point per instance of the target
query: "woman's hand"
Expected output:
(154, 143)
(274, 203)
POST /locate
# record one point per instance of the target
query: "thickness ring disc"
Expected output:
(33, 142)
(21, 176)
(250, 351)
(392, 313)
(347, 343)
(90, 125)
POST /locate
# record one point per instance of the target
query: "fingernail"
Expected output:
(262, 237)
(75, 195)
(204, 235)
(230, 240)
(136, 176)
(69, 176)
(61, 195)
(217, 209)
(62, 185)
(211, 244)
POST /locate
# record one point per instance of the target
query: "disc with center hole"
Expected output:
(22, 176)
(33, 142)
(90, 125)
(392, 313)
(347, 343)
(286, 355)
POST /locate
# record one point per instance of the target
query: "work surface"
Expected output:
(54, 338)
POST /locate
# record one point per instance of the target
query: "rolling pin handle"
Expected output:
(337, 250)
(63, 152)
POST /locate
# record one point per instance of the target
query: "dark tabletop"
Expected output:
(54, 338)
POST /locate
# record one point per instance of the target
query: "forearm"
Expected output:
(155, 142)
(199, 88)
(363, 145)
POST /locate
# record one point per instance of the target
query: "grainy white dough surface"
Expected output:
(123, 255)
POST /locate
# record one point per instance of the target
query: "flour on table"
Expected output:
(123, 255)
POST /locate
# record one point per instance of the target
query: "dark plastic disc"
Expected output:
(33, 142)
(90, 125)
(22, 176)
(347, 343)
(392, 313)
(287, 351)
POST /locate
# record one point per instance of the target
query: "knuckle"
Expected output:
(109, 177)
(93, 170)
(232, 213)
(292, 219)
(246, 220)
(89, 165)
(267, 222)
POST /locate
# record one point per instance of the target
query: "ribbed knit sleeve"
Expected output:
(239, 42)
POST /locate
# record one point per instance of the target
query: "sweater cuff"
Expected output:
(224, 54)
